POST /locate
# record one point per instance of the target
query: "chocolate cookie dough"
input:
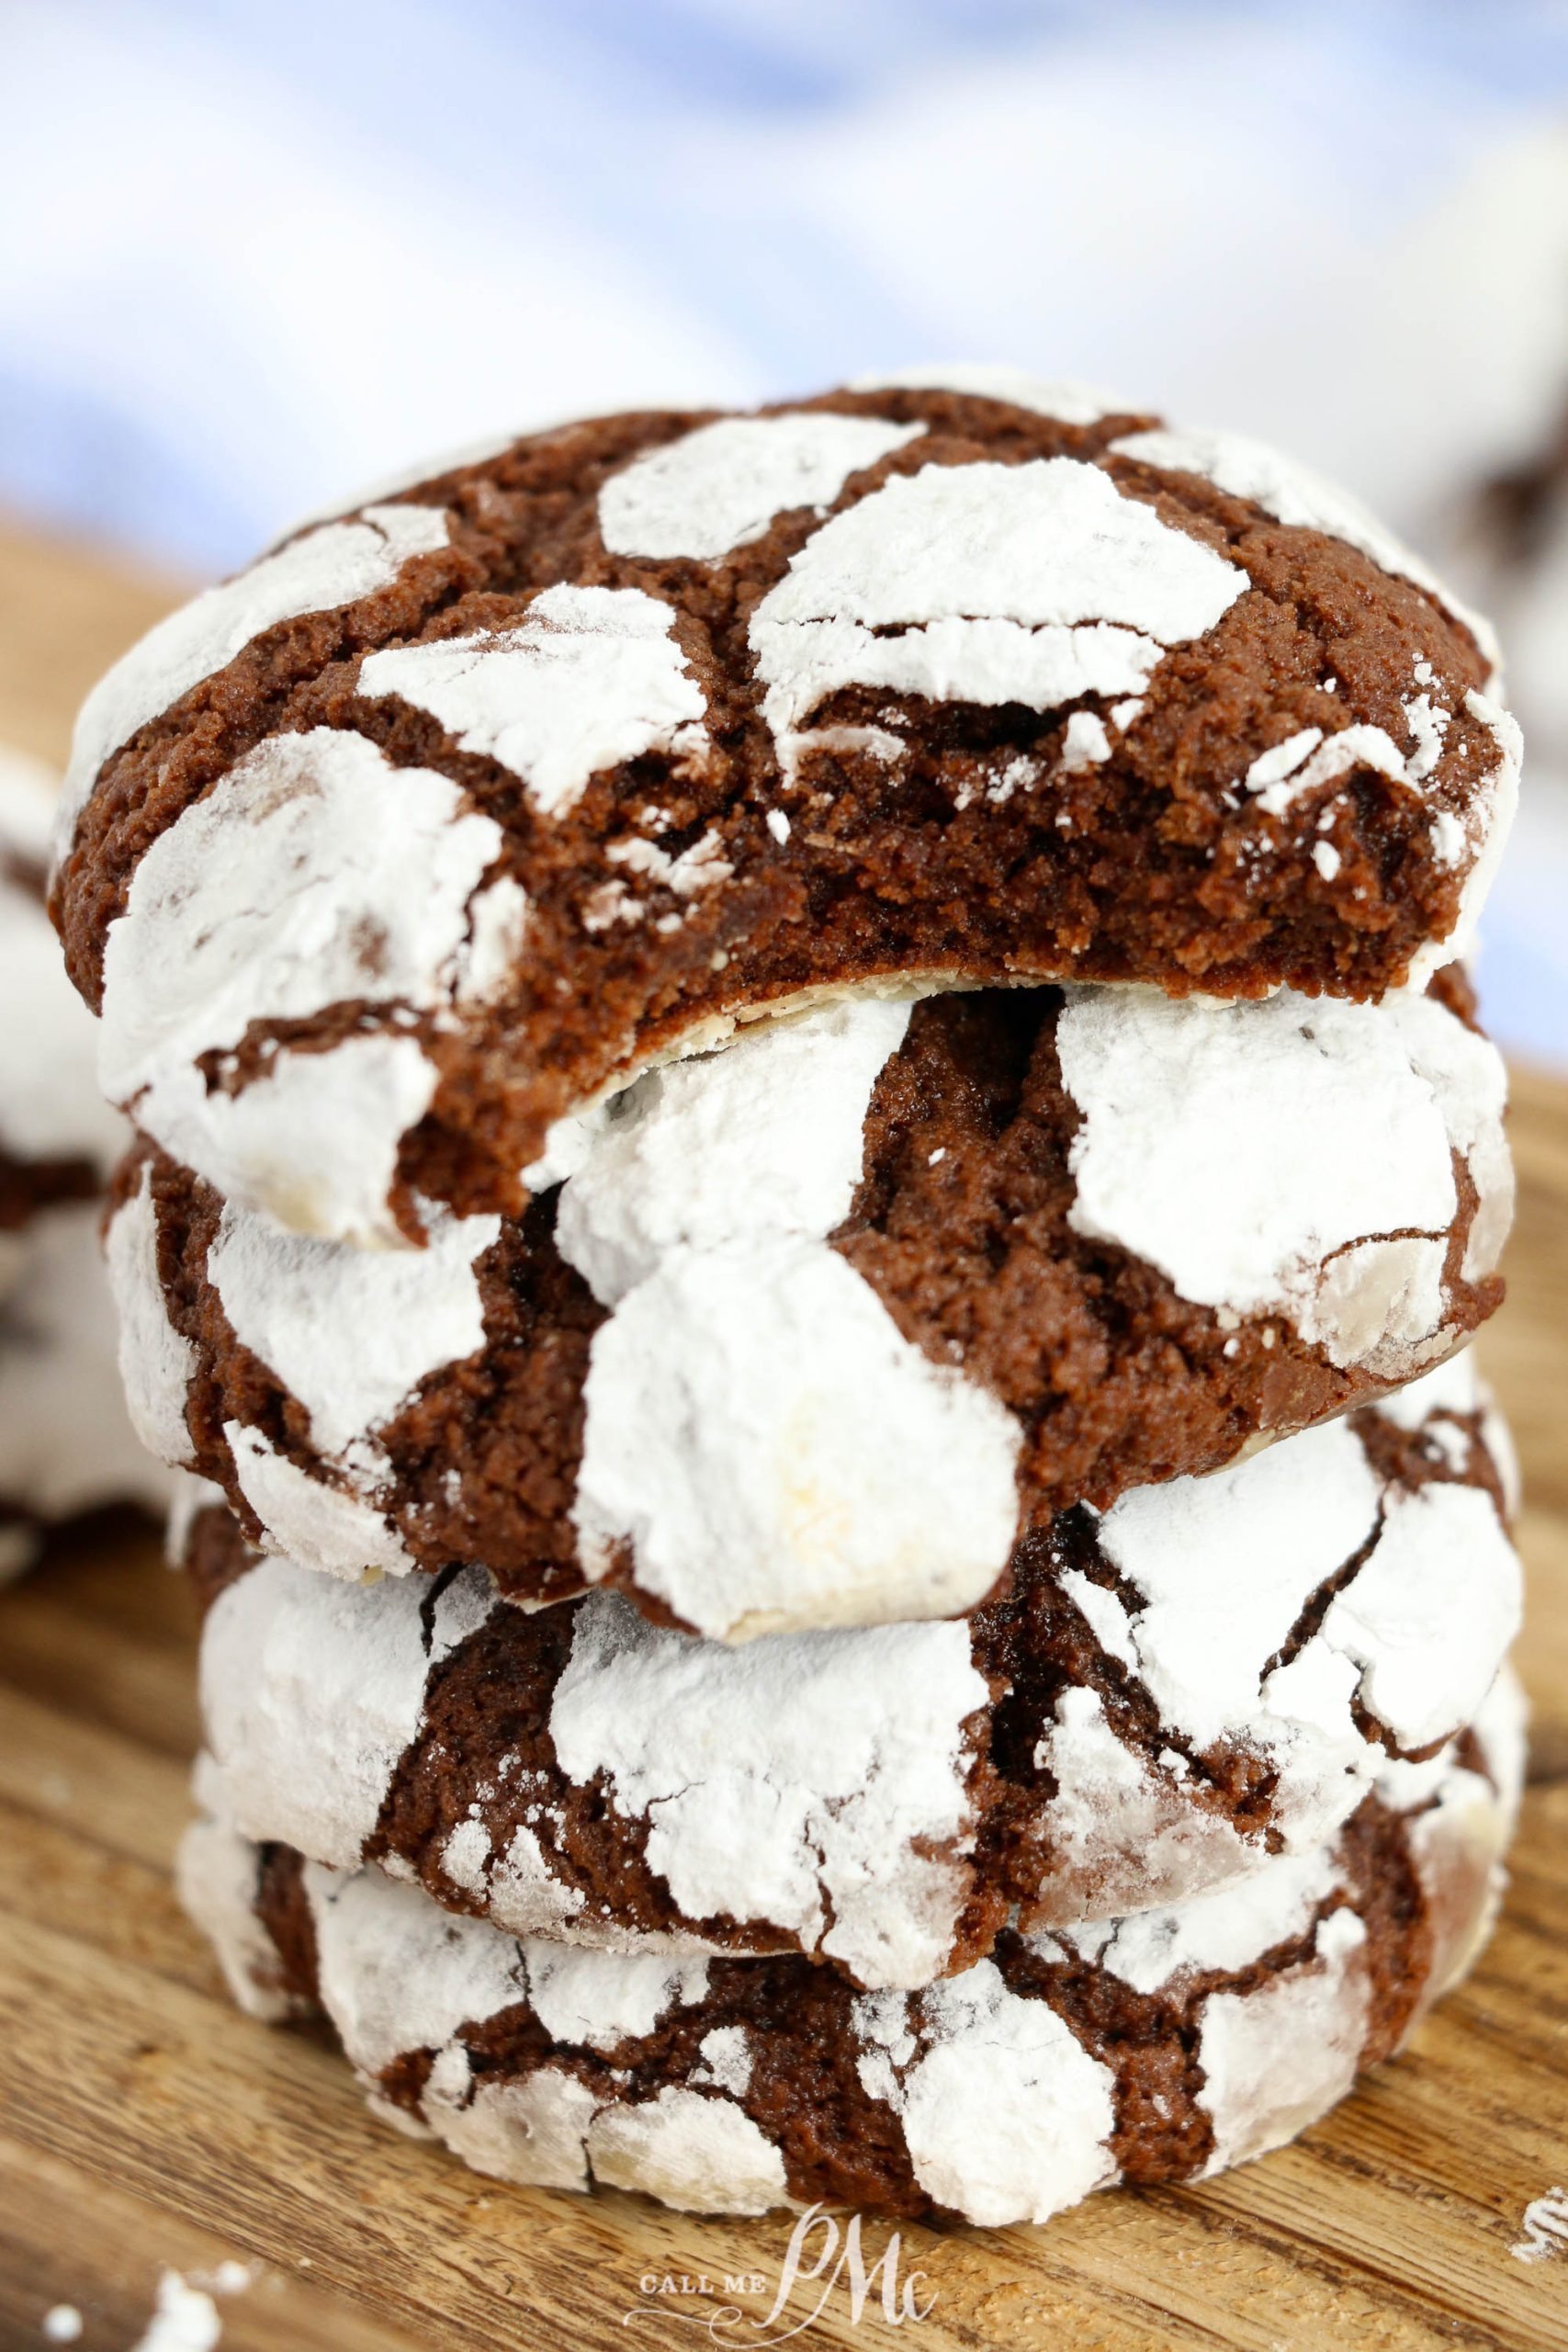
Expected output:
(1163, 2047)
(815, 1322)
(1214, 1671)
(450, 814)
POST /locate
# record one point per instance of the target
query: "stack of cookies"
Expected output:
(813, 1167)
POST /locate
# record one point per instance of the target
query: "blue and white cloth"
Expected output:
(258, 255)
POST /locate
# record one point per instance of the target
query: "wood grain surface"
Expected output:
(144, 2124)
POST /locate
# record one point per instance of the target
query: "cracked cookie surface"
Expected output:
(448, 814)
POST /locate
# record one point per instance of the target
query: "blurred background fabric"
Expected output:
(257, 255)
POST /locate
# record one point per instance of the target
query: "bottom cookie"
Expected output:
(1158, 2048)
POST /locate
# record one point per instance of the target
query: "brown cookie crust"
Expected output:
(842, 2145)
(484, 1753)
(1147, 865)
(961, 1227)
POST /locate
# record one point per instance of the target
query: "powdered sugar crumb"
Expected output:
(186, 2319)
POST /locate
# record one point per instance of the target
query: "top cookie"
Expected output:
(449, 814)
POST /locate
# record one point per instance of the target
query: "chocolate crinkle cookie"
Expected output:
(65, 1444)
(449, 815)
(1163, 2046)
(1213, 1671)
(817, 1324)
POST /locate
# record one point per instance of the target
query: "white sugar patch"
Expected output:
(398, 1974)
(1432, 1612)
(698, 2151)
(1126, 1826)
(1037, 584)
(726, 2056)
(589, 679)
(1490, 807)
(155, 1362)
(313, 1141)
(1274, 1903)
(1295, 495)
(533, 2131)
(313, 873)
(312, 1691)
(216, 1875)
(1222, 1568)
(766, 1135)
(1225, 1564)
(1006, 2116)
(523, 1893)
(320, 1525)
(185, 2319)
(350, 1332)
(1066, 403)
(720, 487)
(1277, 2058)
(1451, 1387)
(1470, 1084)
(757, 1429)
(321, 572)
(1305, 762)
(777, 1455)
(1289, 1089)
(599, 2000)
(804, 1780)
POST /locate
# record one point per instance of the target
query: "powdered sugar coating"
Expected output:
(820, 1784)
(1292, 494)
(319, 571)
(1318, 2011)
(1004, 2111)
(1036, 583)
(323, 1527)
(1493, 802)
(351, 1333)
(759, 1432)
(1230, 1928)
(1006, 2116)
(155, 1362)
(1224, 1567)
(1293, 1087)
(313, 873)
(1121, 1831)
(767, 1135)
(809, 1781)
(720, 487)
(698, 2152)
(589, 678)
(309, 1699)
(775, 1453)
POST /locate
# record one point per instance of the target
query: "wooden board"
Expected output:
(144, 2123)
